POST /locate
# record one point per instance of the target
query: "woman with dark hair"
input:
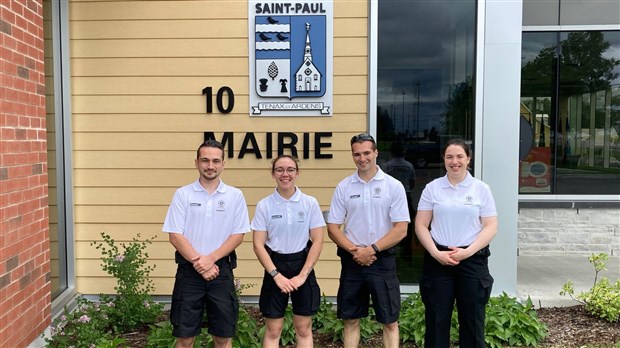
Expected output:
(288, 238)
(460, 211)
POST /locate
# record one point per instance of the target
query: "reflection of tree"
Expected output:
(457, 120)
(576, 69)
(385, 127)
(583, 68)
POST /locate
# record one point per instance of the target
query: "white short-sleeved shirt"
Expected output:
(368, 210)
(207, 220)
(457, 209)
(287, 222)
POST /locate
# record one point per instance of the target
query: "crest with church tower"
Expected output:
(291, 59)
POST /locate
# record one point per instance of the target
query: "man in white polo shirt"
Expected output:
(206, 221)
(372, 206)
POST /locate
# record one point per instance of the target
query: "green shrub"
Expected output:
(115, 342)
(247, 335)
(326, 321)
(97, 324)
(85, 326)
(411, 321)
(160, 336)
(369, 326)
(508, 322)
(133, 306)
(603, 299)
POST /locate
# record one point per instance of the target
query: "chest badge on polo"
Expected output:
(300, 216)
(469, 200)
(221, 206)
(376, 192)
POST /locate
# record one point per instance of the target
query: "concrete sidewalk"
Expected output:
(542, 277)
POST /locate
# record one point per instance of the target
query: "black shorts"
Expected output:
(192, 294)
(305, 300)
(360, 283)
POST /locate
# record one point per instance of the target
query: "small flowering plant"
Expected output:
(98, 324)
(133, 306)
(85, 326)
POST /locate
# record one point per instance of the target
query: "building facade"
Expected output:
(103, 107)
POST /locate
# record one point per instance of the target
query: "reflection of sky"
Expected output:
(613, 37)
(533, 43)
(425, 48)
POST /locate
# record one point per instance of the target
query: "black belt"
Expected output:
(441, 247)
(300, 255)
(230, 259)
(445, 248)
(383, 253)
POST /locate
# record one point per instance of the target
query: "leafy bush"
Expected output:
(97, 324)
(133, 306)
(85, 326)
(246, 336)
(326, 321)
(369, 326)
(411, 321)
(508, 322)
(160, 336)
(603, 299)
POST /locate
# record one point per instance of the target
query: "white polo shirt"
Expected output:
(368, 210)
(207, 220)
(457, 209)
(287, 222)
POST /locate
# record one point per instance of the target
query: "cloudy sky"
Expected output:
(425, 45)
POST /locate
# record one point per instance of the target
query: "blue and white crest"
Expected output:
(290, 58)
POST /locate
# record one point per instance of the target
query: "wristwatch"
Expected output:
(375, 247)
(274, 273)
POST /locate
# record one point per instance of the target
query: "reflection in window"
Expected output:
(58, 273)
(424, 93)
(570, 95)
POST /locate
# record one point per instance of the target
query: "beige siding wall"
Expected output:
(137, 72)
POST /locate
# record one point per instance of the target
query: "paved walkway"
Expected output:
(542, 277)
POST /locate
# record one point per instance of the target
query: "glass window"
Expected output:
(58, 272)
(570, 96)
(424, 94)
(575, 12)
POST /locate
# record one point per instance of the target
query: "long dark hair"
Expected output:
(458, 142)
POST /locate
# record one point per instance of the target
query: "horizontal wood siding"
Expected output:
(137, 72)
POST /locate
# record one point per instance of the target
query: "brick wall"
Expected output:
(569, 231)
(24, 232)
